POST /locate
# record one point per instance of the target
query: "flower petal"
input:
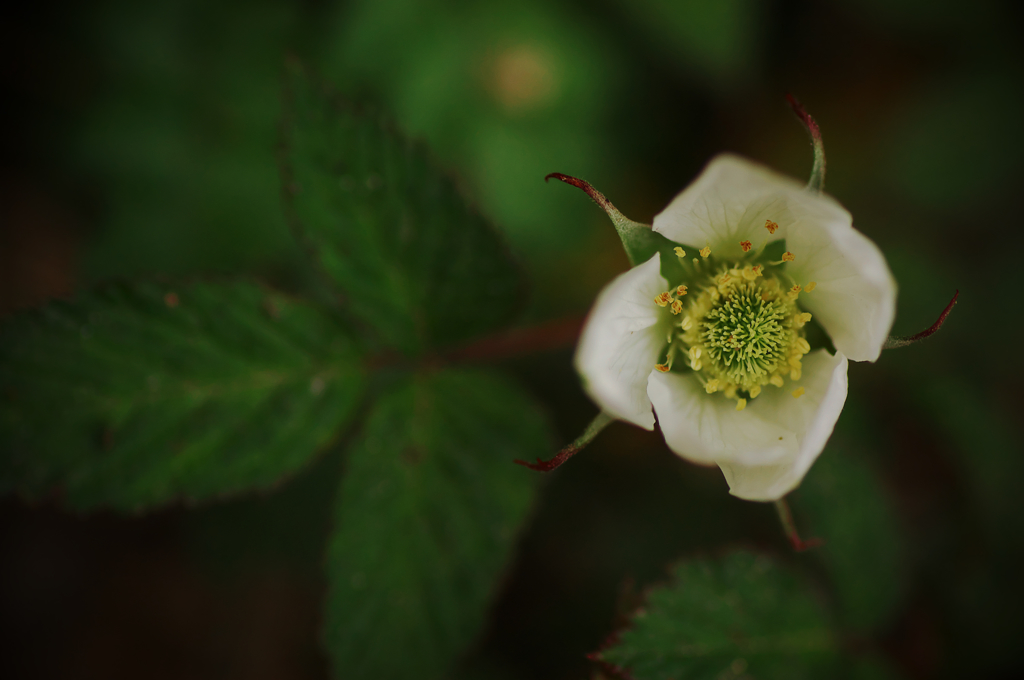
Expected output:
(855, 300)
(621, 341)
(855, 295)
(811, 418)
(707, 428)
(731, 200)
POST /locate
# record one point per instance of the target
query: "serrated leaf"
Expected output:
(388, 228)
(136, 395)
(843, 503)
(741, 616)
(426, 519)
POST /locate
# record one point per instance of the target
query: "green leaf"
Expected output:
(842, 502)
(388, 228)
(741, 616)
(137, 395)
(426, 519)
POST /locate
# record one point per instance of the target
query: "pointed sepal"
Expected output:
(895, 341)
(638, 239)
(817, 181)
(592, 430)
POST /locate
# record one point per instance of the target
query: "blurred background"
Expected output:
(140, 142)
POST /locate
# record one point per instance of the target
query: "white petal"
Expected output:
(730, 201)
(810, 419)
(621, 341)
(855, 300)
(707, 428)
(855, 297)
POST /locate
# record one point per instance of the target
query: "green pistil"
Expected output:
(746, 337)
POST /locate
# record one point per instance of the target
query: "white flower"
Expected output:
(721, 355)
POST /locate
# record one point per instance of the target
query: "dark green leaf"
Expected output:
(426, 520)
(843, 503)
(133, 396)
(741, 616)
(412, 259)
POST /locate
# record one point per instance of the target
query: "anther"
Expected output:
(687, 323)
(810, 286)
(705, 251)
(803, 345)
(788, 256)
(677, 307)
(746, 245)
(662, 367)
(711, 386)
(679, 252)
(754, 391)
(680, 290)
(804, 317)
(741, 404)
(776, 380)
(798, 392)
(770, 226)
(662, 299)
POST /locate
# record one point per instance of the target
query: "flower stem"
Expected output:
(593, 429)
(789, 528)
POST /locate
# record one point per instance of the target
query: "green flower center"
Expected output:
(740, 329)
(745, 336)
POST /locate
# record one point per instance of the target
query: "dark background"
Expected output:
(139, 141)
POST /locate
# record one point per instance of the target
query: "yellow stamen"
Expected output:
(711, 386)
(810, 286)
(662, 367)
(770, 226)
(681, 290)
(794, 361)
(677, 307)
(794, 292)
(776, 380)
(798, 392)
(796, 373)
(705, 251)
(746, 245)
(680, 252)
(788, 256)
(754, 391)
(687, 323)
(725, 279)
(751, 273)
(662, 299)
(741, 404)
(803, 318)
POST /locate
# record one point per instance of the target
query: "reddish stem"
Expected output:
(893, 342)
(519, 341)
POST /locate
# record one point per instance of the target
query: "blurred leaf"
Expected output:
(426, 520)
(741, 616)
(178, 138)
(713, 40)
(842, 502)
(505, 92)
(960, 144)
(414, 261)
(136, 395)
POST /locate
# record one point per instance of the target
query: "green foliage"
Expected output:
(413, 261)
(843, 503)
(426, 520)
(137, 395)
(741, 616)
